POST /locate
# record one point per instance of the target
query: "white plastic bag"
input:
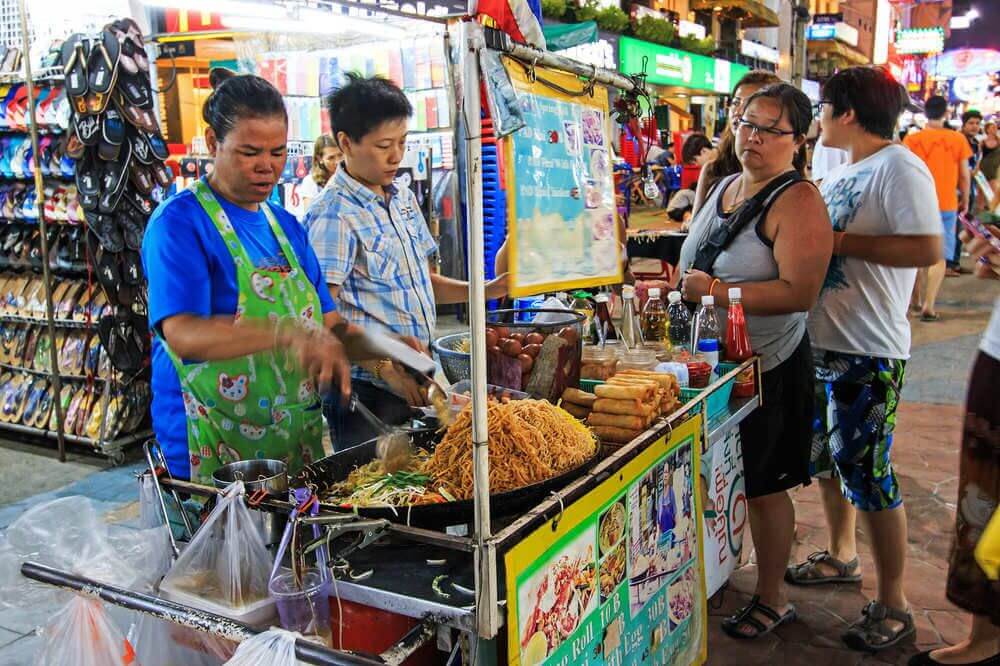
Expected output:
(275, 647)
(150, 514)
(553, 303)
(82, 634)
(227, 562)
(162, 643)
(68, 534)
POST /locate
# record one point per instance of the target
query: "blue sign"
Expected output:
(821, 32)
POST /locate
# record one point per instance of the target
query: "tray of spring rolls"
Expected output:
(625, 405)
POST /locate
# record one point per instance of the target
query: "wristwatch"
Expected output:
(380, 366)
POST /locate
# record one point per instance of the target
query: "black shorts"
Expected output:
(777, 436)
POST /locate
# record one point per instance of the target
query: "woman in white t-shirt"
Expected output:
(326, 159)
(978, 490)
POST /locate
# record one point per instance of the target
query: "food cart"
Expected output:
(603, 565)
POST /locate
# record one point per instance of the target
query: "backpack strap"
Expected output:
(722, 235)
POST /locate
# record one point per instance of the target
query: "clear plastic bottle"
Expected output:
(582, 304)
(631, 334)
(654, 318)
(706, 325)
(679, 326)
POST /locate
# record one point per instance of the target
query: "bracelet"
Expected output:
(715, 282)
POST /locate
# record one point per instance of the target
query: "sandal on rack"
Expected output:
(872, 631)
(734, 625)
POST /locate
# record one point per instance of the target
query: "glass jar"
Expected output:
(638, 359)
(598, 363)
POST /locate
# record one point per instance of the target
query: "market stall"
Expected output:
(514, 535)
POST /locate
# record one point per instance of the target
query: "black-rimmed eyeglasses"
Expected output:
(750, 128)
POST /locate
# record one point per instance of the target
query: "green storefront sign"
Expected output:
(672, 67)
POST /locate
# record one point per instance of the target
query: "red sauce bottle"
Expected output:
(738, 347)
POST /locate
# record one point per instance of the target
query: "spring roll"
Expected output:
(578, 397)
(666, 380)
(576, 410)
(624, 392)
(615, 435)
(627, 407)
(617, 421)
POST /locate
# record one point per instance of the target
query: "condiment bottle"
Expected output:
(581, 304)
(654, 318)
(679, 328)
(738, 347)
(604, 328)
(631, 335)
(706, 324)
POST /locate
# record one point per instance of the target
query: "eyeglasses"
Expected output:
(818, 107)
(762, 132)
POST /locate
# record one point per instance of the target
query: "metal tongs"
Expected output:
(393, 446)
(156, 461)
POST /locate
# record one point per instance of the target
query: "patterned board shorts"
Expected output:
(856, 401)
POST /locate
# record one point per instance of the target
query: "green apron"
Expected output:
(262, 405)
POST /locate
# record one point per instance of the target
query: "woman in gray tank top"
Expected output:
(776, 239)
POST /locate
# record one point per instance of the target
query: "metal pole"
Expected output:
(470, 43)
(43, 227)
(192, 618)
(549, 59)
(800, 56)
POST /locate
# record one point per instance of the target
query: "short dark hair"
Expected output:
(872, 93)
(693, 146)
(238, 96)
(794, 104)
(971, 114)
(935, 107)
(362, 104)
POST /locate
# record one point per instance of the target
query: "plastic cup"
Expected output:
(304, 609)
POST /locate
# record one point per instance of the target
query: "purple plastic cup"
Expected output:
(304, 609)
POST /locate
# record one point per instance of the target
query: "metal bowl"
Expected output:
(269, 475)
(456, 364)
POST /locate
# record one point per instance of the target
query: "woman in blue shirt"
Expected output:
(237, 302)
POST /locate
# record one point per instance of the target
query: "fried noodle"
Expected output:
(529, 441)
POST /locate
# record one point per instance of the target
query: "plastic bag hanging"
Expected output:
(162, 643)
(227, 563)
(149, 503)
(82, 634)
(275, 647)
(501, 98)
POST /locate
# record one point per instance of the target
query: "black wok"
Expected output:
(324, 473)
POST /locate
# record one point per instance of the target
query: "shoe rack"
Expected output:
(79, 168)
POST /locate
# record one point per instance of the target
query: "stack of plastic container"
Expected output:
(494, 200)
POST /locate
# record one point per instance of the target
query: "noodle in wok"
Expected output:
(529, 441)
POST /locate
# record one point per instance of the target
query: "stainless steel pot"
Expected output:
(271, 476)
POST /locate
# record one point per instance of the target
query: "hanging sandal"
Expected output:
(744, 617)
(810, 572)
(871, 632)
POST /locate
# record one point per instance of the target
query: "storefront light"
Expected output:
(315, 22)
(223, 7)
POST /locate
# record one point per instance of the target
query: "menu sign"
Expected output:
(617, 578)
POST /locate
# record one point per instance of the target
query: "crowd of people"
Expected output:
(826, 269)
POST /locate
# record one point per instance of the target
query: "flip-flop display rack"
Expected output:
(81, 169)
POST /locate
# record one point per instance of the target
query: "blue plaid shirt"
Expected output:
(377, 252)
